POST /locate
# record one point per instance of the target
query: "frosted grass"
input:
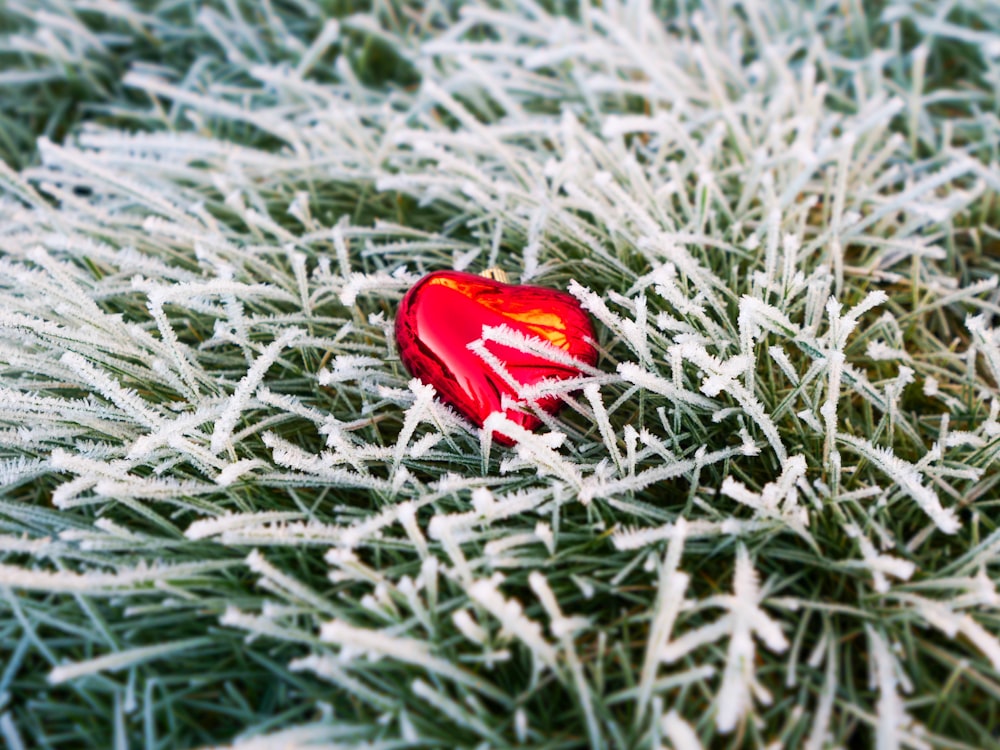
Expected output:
(230, 518)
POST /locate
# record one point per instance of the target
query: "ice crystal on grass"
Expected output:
(229, 515)
(744, 620)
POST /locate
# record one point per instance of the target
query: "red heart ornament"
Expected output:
(447, 310)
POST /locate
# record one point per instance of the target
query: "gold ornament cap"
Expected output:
(496, 274)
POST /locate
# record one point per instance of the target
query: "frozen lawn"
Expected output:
(228, 515)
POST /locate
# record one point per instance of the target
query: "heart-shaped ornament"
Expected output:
(447, 310)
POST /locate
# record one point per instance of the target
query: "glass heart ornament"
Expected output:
(446, 311)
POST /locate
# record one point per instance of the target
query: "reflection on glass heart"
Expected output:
(447, 310)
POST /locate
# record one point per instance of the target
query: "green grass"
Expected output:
(783, 217)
